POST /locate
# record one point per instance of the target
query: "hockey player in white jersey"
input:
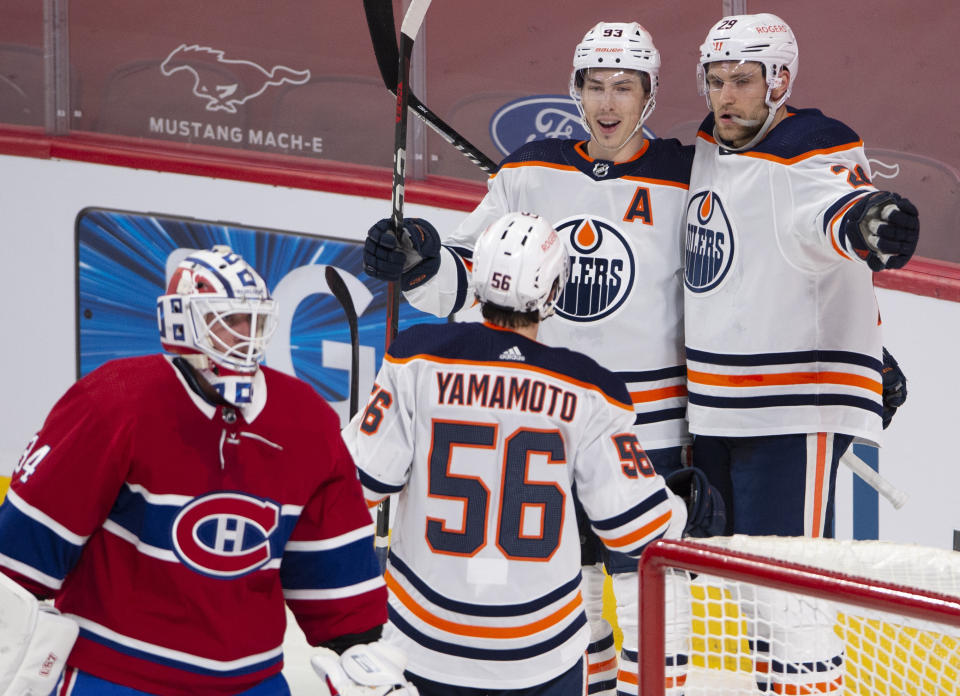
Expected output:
(617, 201)
(784, 230)
(486, 435)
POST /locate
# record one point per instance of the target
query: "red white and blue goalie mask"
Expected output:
(217, 305)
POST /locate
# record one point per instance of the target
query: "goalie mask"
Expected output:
(760, 38)
(520, 263)
(217, 306)
(616, 45)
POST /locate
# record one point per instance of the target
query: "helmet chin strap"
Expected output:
(621, 145)
(759, 135)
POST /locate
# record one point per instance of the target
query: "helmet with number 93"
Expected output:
(761, 38)
(624, 45)
(217, 305)
(520, 263)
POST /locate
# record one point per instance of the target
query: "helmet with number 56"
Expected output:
(521, 264)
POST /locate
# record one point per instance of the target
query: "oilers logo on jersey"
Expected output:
(709, 247)
(602, 270)
(225, 534)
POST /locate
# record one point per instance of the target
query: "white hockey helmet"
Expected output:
(616, 45)
(761, 38)
(211, 289)
(520, 263)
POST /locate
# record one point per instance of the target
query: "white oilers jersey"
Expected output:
(622, 224)
(483, 434)
(782, 323)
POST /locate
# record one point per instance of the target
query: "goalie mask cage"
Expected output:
(793, 615)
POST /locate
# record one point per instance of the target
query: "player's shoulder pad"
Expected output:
(474, 342)
(549, 150)
(418, 339)
(805, 132)
(668, 159)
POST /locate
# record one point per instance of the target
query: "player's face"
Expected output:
(613, 101)
(232, 329)
(737, 96)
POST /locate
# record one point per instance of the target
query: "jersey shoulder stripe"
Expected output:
(475, 343)
(803, 134)
(659, 162)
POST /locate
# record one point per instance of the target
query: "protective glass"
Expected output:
(741, 79)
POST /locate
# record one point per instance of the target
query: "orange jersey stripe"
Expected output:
(784, 378)
(500, 632)
(812, 688)
(833, 222)
(627, 677)
(602, 666)
(818, 483)
(645, 530)
(789, 160)
(642, 397)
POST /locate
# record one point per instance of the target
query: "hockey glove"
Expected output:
(368, 669)
(894, 387)
(413, 259)
(706, 511)
(883, 228)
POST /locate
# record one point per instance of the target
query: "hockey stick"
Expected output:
(873, 479)
(383, 35)
(340, 291)
(412, 21)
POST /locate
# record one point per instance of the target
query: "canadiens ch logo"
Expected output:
(709, 243)
(225, 534)
(602, 269)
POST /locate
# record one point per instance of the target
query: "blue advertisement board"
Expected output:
(125, 258)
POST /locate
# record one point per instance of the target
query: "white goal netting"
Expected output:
(784, 615)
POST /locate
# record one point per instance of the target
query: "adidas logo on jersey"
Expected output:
(512, 353)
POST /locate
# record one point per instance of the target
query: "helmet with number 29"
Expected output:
(760, 38)
(217, 305)
(520, 263)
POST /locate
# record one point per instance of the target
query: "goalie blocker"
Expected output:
(35, 641)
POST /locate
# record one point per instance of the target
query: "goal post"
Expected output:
(893, 610)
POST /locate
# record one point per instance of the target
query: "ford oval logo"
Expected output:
(535, 118)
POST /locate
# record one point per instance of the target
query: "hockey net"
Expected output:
(792, 615)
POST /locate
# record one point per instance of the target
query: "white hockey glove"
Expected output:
(368, 669)
(35, 641)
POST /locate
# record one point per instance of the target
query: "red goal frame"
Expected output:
(662, 555)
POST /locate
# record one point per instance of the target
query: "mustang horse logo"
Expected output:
(210, 83)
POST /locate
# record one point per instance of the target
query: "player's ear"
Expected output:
(782, 84)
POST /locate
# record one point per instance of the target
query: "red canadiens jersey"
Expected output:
(485, 435)
(174, 531)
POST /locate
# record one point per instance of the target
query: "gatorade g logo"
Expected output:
(225, 534)
(709, 243)
(602, 269)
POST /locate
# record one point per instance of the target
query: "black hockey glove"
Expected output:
(894, 387)
(884, 229)
(413, 260)
(706, 511)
